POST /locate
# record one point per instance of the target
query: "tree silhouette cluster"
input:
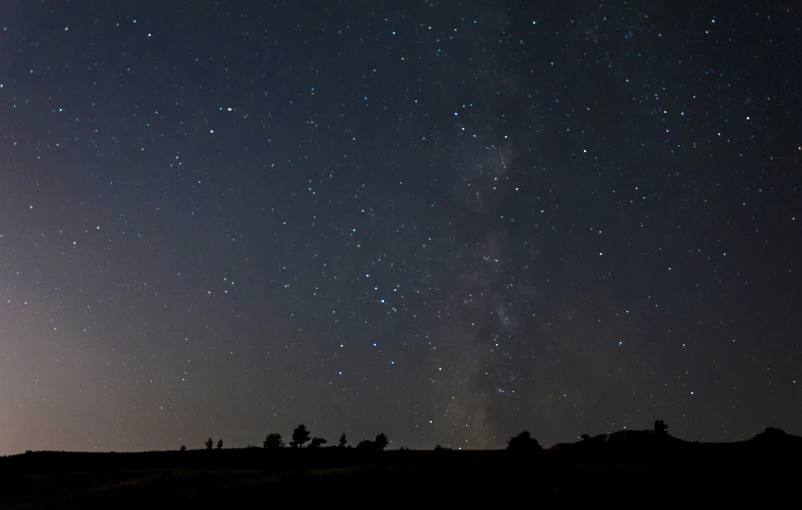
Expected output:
(522, 442)
(301, 436)
(209, 445)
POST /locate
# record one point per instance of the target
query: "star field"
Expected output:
(444, 221)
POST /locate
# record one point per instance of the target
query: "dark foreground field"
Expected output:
(249, 478)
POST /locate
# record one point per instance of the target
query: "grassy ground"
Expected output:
(202, 480)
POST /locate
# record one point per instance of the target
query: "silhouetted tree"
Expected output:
(343, 441)
(660, 428)
(209, 444)
(183, 448)
(317, 441)
(299, 436)
(220, 445)
(273, 441)
(523, 441)
(584, 437)
(381, 441)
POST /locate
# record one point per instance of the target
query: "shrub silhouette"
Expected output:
(343, 441)
(523, 442)
(317, 442)
(183, 448)
(774, 432)
(375, 446)
(366, 445)
(300, 436)
(273, 441)
(220, 445)
(209, 443)
(660, 428)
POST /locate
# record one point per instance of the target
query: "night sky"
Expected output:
(445, 221)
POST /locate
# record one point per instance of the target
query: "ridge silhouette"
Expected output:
(641, 462)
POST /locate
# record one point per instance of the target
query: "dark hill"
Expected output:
(624, 440)
(774, 438)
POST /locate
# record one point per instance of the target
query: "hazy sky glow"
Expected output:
(444, 221)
